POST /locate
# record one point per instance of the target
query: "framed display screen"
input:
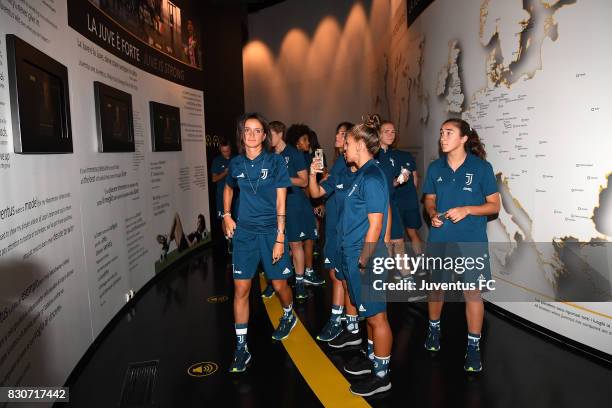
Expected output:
(40, 110)
(165, 127)
(114, 119)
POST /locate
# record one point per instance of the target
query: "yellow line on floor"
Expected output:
(328, 384)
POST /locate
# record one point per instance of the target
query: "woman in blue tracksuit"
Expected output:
(460, 192)
(259, 232)
(365, 226)
(334, 188)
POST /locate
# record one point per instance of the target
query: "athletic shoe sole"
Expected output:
(246, 365)
(265, 296)
(346, 344)
(330, 339)
(432, 349)
(362, 372)
(376, 391)
(472, 370)
(311, 283)
(288, 333)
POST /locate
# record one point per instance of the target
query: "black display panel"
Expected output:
(165, 127)
(114, 119)
(40, 108)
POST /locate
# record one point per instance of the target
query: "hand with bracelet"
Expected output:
(229, 225)
(279, 244)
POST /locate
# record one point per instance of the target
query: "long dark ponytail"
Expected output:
(473, 145)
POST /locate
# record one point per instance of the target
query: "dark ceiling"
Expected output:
(252, 5)
(256, 5)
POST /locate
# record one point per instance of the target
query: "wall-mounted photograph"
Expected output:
(40, 107)
(170, 27)
(114, 119)
(165, 127)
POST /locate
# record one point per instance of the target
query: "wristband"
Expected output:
(226, 213)
(280, 242)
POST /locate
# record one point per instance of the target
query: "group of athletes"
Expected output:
(370, 198)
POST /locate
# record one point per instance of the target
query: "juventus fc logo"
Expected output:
(469, 177)
(392, 161)
(287, 160)
(264, 174)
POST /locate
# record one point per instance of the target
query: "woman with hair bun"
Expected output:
(460, 192)
(365, 226)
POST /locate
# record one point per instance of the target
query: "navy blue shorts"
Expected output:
(411, 218)
(310, 222)
(340, 272)
(330, 252)
(366, 306)
(301, 224)
(249, 249)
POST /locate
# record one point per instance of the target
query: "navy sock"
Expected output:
(381, 366)
(336, 313)
(473, 340)
(370, 350)
(434, 324)
(352, 323)
(241, 335)
(287, 310)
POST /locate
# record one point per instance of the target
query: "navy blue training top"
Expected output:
(368, 194)
(258, 180)
(390, 165)
(295, 162)
(469, 185)
(336, 187)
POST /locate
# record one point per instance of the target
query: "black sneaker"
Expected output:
(311, 278)
(300, 291)
(371, 385)
(359, 365)
(346, 338)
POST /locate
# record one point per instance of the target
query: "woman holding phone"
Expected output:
(259, 235)
(460, 192)
(335, 188)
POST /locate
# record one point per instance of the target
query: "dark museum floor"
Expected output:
(183, 319)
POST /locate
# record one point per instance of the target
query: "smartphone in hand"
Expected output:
(319, 156)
